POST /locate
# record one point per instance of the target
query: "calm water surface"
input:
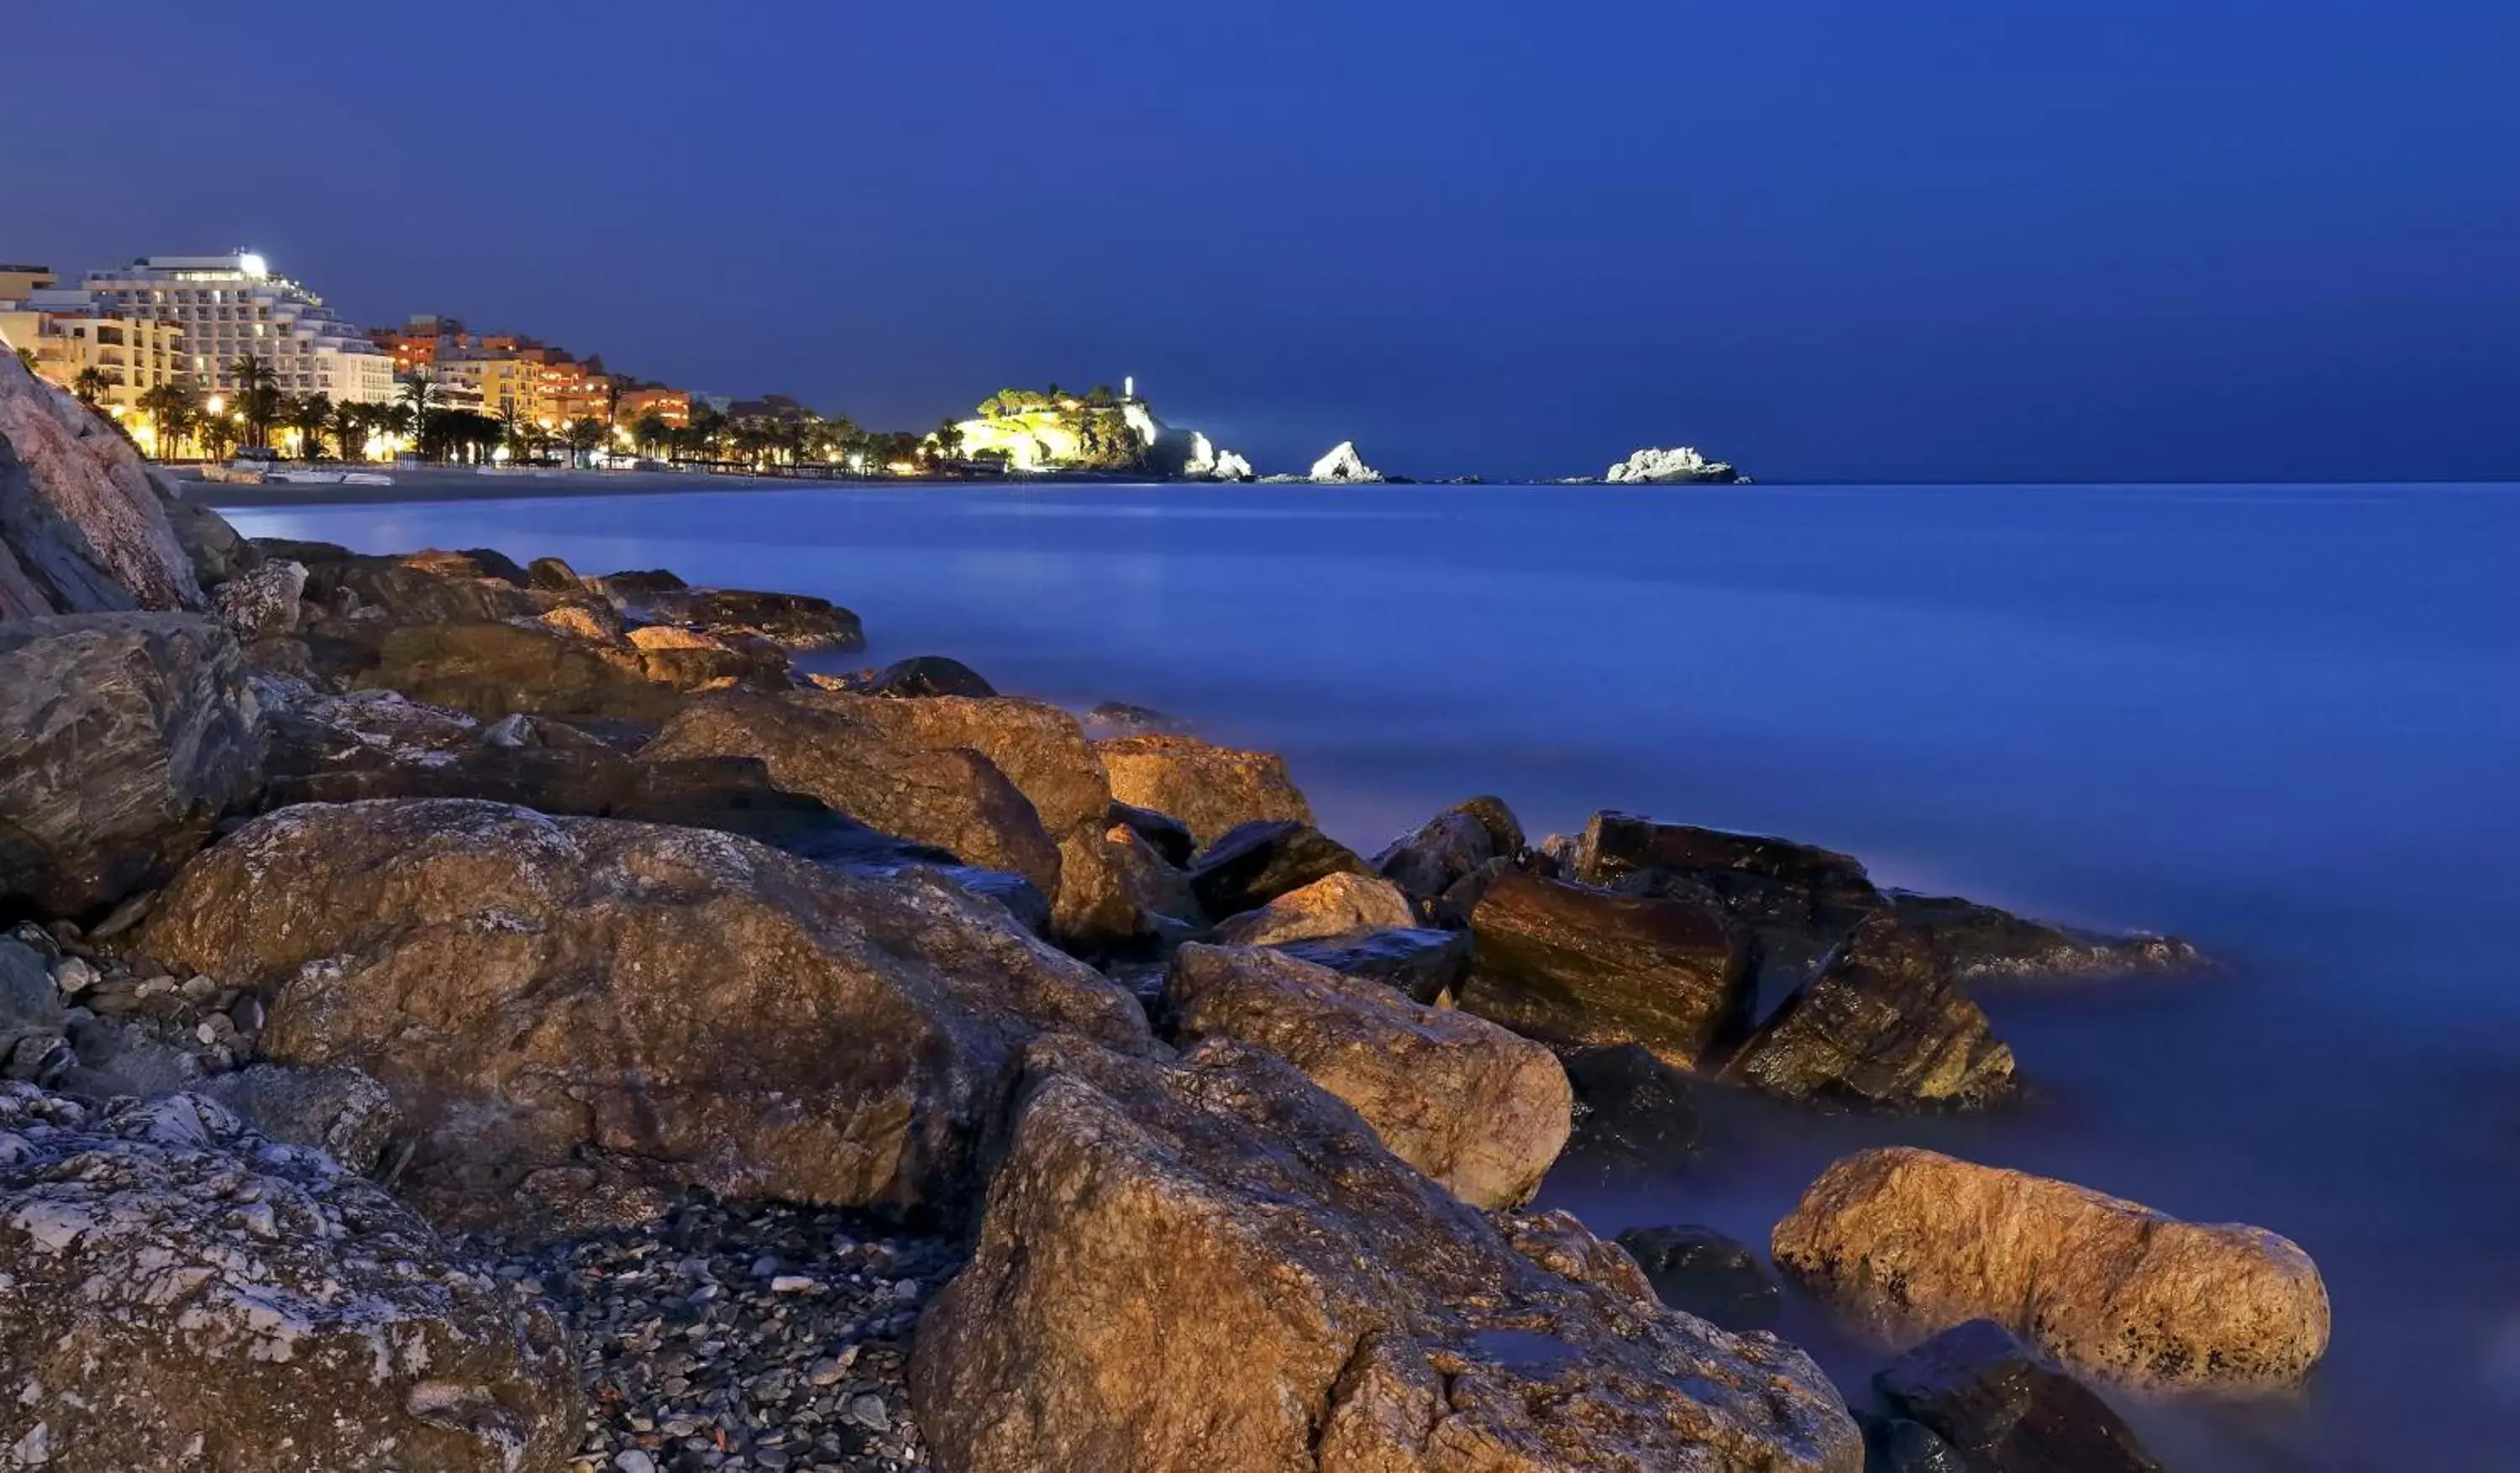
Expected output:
(2279, 721)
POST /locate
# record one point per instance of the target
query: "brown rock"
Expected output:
(1574, 965)
(949, 796)
(1905, 1245)
(1333, 906)
(123, 739)
(1449, 847)
(183, 1294)
(1215, 1266)
(1482, 1112)
(580, 1014)
(1152, 882)
(263, 603)
(1882, 1024)
(491, 670)
(1211, 788)
(790, 621)
(1996, 1410)
(1256, 863)
(82, 529)
(1044, 753)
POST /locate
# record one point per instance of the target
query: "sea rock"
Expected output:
(1256, 863)
(1213, 1265)
(210, 545)
(82, 528)
(1632, 1110)
(922, 675)
(123, 739)
(1232, 465)
(1334, 905)
(431, 587)
(790, 621)
(1165, 834)
(1343, 465)
(1678, 464)
(1117, 718)
(339, 1111)
(262, 604)
(1881, 1025)
(1425, 966)
(182, 1293)
(581, 1015)
(1905, 1244)
(1980, 944)
(1474, 1107)
(1151, 881)
(1982, 1395)
(1706, 1274)
(1574, 965)
(553, 574)
(491, 670)
(1450, 846)
(1210, 788)
(1043, 751)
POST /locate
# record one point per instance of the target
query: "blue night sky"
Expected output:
(1828, 239)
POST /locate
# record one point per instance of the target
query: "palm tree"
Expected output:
(26, 356)
(91, 385)
(351, 426)
(419, 395)
(258, 396)
(309, 415)
(176, 424)
(513, 431)
(218, 436)
(651, 432)
(584, 435)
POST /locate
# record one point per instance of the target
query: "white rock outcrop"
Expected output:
(1231, 466)
(1681, 464)
(1343, 465)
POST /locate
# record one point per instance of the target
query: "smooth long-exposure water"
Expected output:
(2279, 721)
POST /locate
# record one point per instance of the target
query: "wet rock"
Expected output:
(1981, 944)
(1155, 884)
(918, 677)
(1117, 718)
(1450, 846)
(82, 527)
(176, 1283)
(1766, 882)
(1574, 965)
(552, 1002)
(1881, 1025)
(1167, 835)
(1334, 905)
(1213, 1265)
(262, 604)
(1423, 965)
(1479, 1110)
(554, 575)
(430, 586)
(790, 621)
(1905, 1244)
(949, 796)
(123, 739)
(339, 1111)
(1210, 788)
(1630, 1108)
(1896, 1445)
(1982, 1395)
(212, 547)
(1706, 1274)
(28, 994)
(1255, 863)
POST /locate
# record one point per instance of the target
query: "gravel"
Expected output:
(743, 1336)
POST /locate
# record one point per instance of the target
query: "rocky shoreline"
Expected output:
(463, 1015)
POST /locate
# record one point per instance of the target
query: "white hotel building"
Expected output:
(231, 306)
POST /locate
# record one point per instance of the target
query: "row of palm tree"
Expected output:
(787, 440)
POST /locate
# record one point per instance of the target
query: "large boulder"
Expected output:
(1632, 1112)
(1213, 1265)
(1427, 966)
(1978, 1393)
(1905, 1243)
(581, 1014)
(790, 621)
(181, 1293)
(918, 678)
(82, 528)
(1981, 944)
(123, 739)
(1575, 965)
(1336, 905)
(1710, 1275)
(1255, 863)
(1882, 1024)
(1211, 788)
(1044, 753)
(1476, 1108)
(950, 796)
(263, 603)
(1450, 847)
(491, 670)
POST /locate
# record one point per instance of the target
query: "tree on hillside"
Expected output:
(949, 441)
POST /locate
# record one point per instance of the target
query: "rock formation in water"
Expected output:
(1343, 465)
(1678, 465)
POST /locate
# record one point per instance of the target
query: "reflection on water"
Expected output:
(2279, 721)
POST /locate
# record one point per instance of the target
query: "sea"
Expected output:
(2282, 722)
